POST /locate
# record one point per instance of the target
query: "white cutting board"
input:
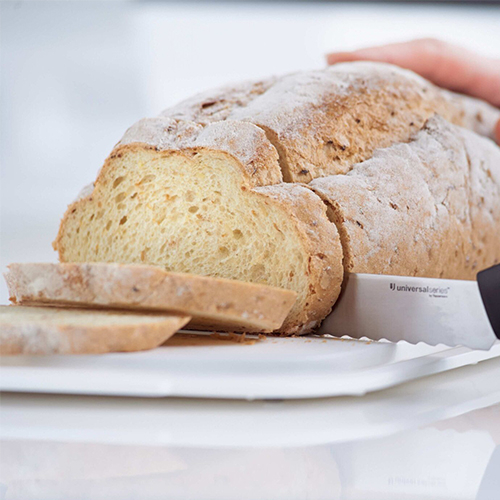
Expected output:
(275, 368)
(223, 423)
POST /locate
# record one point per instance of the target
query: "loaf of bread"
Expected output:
(287, 181)
(49, 330)
(212, 303)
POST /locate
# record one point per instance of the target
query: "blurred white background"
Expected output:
(75, 75)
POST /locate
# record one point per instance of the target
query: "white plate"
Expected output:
(276, 368)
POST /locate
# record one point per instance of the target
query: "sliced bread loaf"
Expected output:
(196, 211)
(199, 189)
(48, 330)
(213, 303)
(430, 207)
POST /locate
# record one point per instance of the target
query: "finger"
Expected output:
(444, 64)
(435, 60)
(497, 132)
(403, 54)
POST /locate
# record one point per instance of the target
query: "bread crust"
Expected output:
(242, 140)
(322, 122)
(417, 209)
(219, 104)
(322, 243)
(36, 337)
(475, 115)
(213, 303)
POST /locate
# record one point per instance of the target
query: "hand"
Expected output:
(444, 64)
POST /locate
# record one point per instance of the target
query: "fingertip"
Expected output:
(337, 57)
(330, 58)
(380, 54)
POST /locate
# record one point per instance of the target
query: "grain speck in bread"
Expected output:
(49, 330)
(213, 303)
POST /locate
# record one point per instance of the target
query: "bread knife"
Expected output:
(434, 311)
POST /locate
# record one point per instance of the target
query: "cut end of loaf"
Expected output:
(194, 212)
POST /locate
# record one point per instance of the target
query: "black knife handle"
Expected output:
(489, 288)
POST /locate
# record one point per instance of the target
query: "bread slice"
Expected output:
(248, 143)
(48, 330)
(213, 303)
(323, 122)
(427, 208)
(197, 211)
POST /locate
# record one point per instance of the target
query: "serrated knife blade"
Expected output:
(434, 311)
